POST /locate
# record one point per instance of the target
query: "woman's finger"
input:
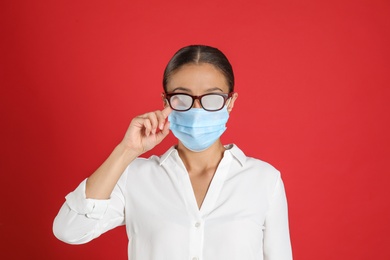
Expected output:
(161, 119)
(163, 133)
(166, 111)
(148, 126)
(163, 115)
(153, 121)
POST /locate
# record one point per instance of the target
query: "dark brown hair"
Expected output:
(198, 54)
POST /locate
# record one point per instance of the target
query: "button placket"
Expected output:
(196, 238)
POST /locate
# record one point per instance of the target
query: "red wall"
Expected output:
(313, 82)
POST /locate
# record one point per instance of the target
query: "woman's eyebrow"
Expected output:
(181, 89)
(214, 89)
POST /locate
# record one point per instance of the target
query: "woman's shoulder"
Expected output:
(263, 169)
(253, 164)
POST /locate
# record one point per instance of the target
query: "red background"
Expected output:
(313, 82)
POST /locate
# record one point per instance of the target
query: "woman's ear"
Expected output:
(165, 101)
(231, 102)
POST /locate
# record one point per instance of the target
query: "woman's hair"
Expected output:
(198, 54)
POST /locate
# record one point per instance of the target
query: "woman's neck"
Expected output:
(201, 161)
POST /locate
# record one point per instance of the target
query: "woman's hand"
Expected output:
(144, 133)
(147, 130)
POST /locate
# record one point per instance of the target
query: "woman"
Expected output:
(200, 199)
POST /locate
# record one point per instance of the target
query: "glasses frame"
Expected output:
(226, 96)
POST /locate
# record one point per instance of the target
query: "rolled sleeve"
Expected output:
(80, 219)
(91, 208)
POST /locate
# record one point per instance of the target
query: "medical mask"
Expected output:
(197, 128)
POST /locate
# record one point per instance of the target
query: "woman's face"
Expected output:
(199, 79)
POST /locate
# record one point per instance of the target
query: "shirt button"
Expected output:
(195, 258)
(197, 224)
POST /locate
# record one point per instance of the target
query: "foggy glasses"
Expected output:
(209, 102)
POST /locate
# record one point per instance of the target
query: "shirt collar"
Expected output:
(237, 153)
(165, 156)
(232, 148)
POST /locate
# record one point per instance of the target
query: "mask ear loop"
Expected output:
(228, 103)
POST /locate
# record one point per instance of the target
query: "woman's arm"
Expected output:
(277, 244)
(97, 205)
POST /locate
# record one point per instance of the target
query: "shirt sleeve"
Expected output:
(277, 244)
(80, 219)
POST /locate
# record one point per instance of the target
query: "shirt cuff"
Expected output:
(91, 208)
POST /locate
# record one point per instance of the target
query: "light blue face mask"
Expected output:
(197, 128)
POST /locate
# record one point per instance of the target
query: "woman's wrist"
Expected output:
(126, 153)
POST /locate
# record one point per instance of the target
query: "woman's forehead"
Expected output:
(198, 77)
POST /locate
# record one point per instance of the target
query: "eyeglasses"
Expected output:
(209, 102)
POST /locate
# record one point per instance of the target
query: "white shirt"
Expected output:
(243, 216)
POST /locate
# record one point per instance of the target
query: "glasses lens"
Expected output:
(181, 102)
(212, 102)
